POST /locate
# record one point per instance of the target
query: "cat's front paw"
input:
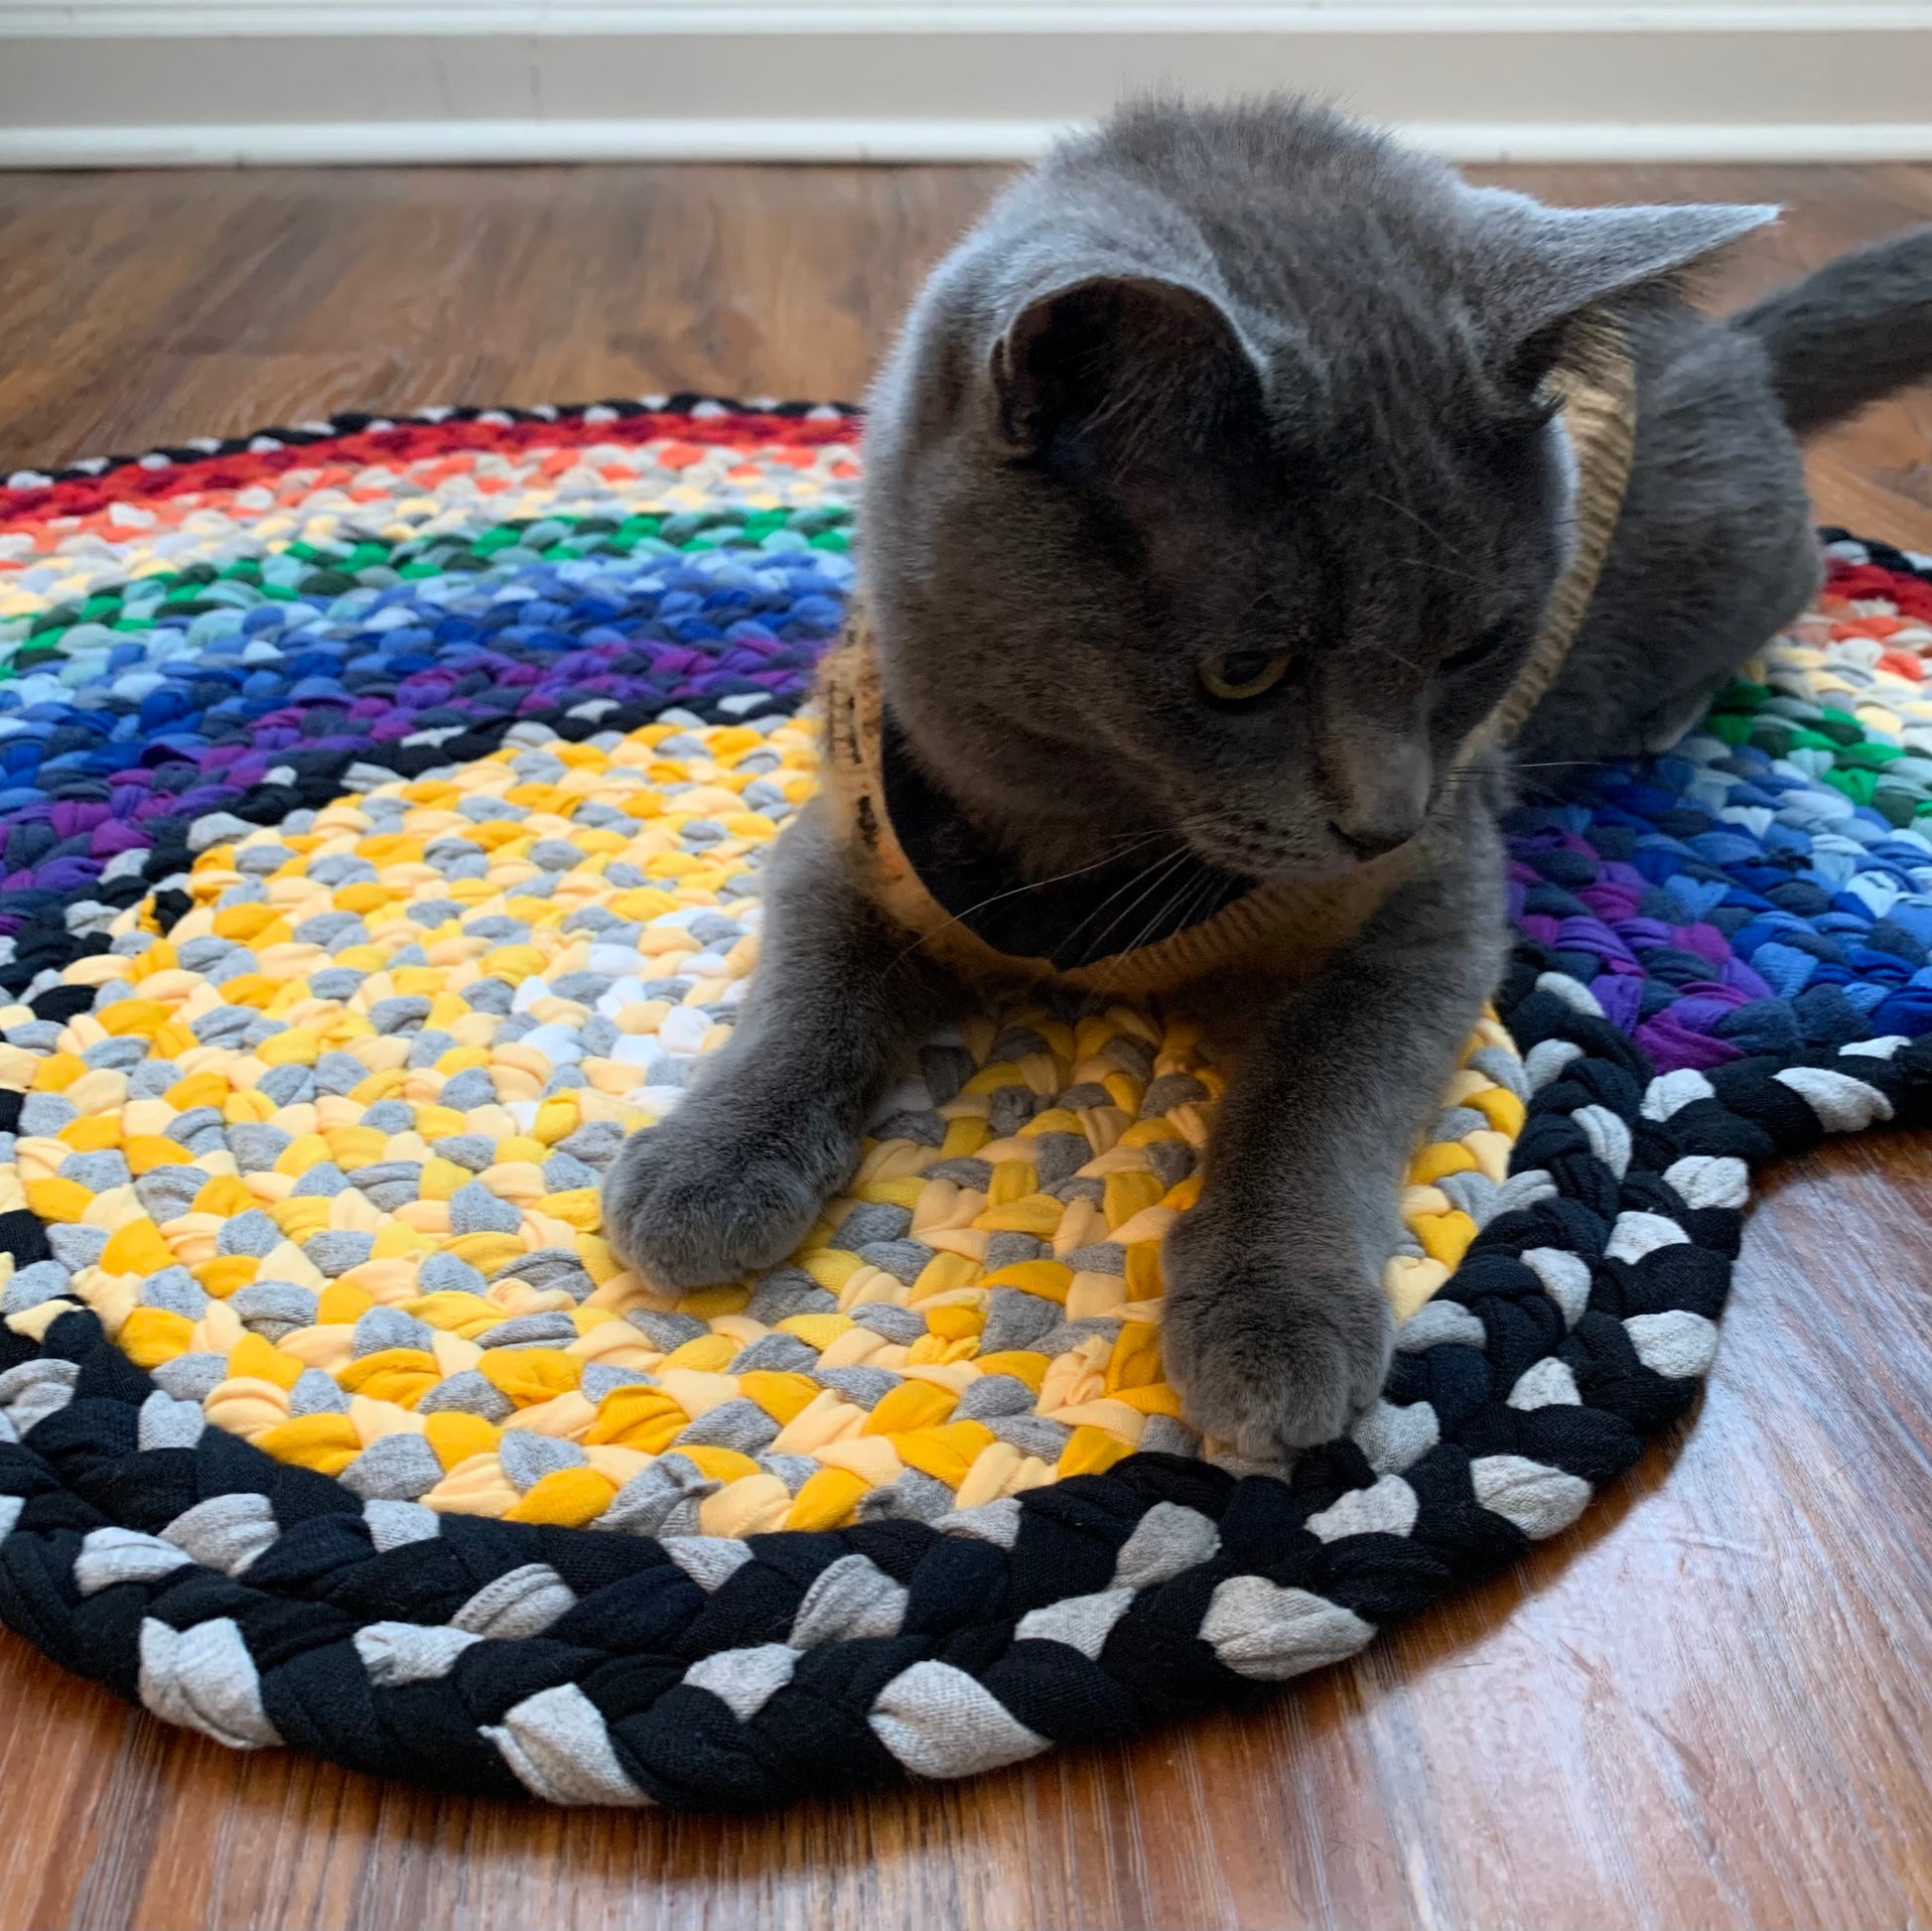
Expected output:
(711, 1194)
(1268, 1353)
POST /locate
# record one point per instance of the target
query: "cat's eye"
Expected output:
(1237, 675)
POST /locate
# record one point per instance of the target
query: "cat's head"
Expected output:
(1213, 486)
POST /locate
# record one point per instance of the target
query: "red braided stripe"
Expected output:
(413, 442)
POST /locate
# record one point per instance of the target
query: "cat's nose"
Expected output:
(1387, 810)
(1372, 841)
(1378, 784)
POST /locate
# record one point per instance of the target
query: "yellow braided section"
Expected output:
(664, 807)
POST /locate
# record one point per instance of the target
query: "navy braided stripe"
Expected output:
(727, 1675)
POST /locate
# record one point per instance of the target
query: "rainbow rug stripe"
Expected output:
(382, 806)
(271, 622)
(1765, 886)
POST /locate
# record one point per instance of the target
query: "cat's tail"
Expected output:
(1855, 330)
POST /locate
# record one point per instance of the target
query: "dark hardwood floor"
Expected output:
(1706, 1704)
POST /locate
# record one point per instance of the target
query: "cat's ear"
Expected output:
(1129, 351)
(1542, 265)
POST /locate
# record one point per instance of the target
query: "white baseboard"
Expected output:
(861, 19)
(180, 83)
(405, 143)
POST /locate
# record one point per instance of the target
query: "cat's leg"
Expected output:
(772, 1125)
(1276, 1331)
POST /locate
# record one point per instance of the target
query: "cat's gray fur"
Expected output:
(1256, 378)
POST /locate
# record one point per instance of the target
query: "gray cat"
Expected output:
(1213, 500)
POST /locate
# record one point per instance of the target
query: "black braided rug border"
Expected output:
(353, 422)
(592, 1667)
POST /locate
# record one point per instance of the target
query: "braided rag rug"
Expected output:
(382, 805)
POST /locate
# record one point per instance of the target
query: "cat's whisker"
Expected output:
(1220, 833)
(1254, 602)
(1180, 910)
(1395, 656)
(1140, 879)
(1450, 570)
(1421, 522)
(1013, 891)
(1168, 912)
(1149, 880)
